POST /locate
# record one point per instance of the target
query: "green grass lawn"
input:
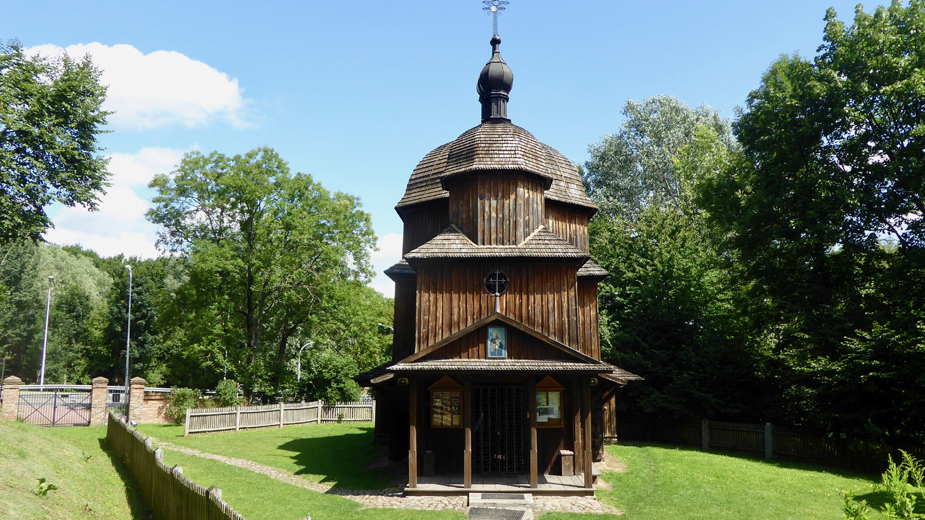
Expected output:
(259, 497)
(662, 482)
(90, 483)
(335, 454)
(678, 483)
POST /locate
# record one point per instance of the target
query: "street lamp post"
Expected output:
(45, 338)
(298, 375)
(128, 327)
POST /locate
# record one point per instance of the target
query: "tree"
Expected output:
(146, 351)
(824, 210)
(327, 377)
(265, 252)
(77, 300)
(50, 116)
(668, 307)
(634, 169)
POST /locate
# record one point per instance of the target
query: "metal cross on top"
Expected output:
(492, 7)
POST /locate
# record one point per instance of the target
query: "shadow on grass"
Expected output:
(342, 460)
(877, 500)
(140, 510)
(841, 472)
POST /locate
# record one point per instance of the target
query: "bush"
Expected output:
(226, 393)
(326, 376)
(902, 483)
(178, 401)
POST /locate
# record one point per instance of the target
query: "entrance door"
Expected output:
(497, 429)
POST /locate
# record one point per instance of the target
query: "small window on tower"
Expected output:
(496, 283)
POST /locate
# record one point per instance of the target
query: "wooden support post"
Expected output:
(531, 411)
(318, 407)
(186, 424)
(576, 426)
(586, 441)
(281, 410)
(705, 434)
(413, 434)
(237, 418)
(467, 423)
(768, 441)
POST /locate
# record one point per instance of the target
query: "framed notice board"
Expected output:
(549, 404)
(446, 404)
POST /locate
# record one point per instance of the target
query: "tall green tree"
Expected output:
(78, 295)
(50, 117)
(669, 306)
(264, 249)
(825, 212)
(146, 349)
(635, 168)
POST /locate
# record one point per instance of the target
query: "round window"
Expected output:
(496, 283)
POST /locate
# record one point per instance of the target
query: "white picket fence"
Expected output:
(204, 420)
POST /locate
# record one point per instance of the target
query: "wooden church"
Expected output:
(496, 368)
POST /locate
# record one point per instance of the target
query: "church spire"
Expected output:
(495, 82)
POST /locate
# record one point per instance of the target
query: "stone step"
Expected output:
(501, 499)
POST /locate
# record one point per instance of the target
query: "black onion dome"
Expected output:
(495, 82)
(495, 75)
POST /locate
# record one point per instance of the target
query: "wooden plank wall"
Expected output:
(589, 318)
(519, 346)
(403, 337)
(542, 296)
(423, 223)
(571, 224)
(497, 209)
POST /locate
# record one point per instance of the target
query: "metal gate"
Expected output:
(498, 433)
(55, 406)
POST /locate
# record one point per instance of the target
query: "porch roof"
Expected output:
(503, 365)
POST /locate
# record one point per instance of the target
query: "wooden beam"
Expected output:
(467, 422)
(413, 434)
(586, 419)
(531, 411)
(576, 426)
(382, 378)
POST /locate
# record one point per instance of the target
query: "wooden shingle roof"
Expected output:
(591, 270)
(400, 270)
(495, 145)
(503, 365)
(453, 243)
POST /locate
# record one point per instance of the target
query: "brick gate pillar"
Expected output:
(98, 401)
(136, 400)
(10, 398)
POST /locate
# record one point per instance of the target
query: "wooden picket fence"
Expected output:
(169, 494)
(204, 420)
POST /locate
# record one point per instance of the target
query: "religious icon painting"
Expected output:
(497, 342)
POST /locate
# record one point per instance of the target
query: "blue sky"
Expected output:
(356, 92)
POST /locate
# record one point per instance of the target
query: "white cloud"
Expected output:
(159, 89)
(388, 255)
(138, 169)
(119, 226)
